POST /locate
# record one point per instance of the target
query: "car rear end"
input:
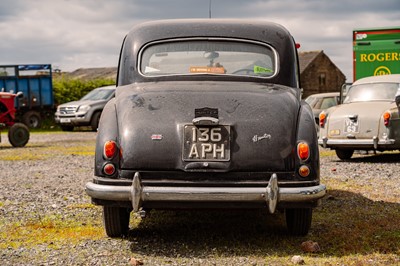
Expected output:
(368, 119)
(211, 145)
(239, 142)
(207, 118)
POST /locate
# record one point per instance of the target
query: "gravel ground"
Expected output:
(42, 189)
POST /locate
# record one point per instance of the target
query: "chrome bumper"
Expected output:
(374, 142)
(271, 195)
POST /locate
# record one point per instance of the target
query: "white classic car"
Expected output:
(367, 120)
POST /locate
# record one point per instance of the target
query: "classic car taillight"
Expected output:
(386, 118)
(109, 169)
(110, 149)
(304, 171)
(303, 151)
(322, 117)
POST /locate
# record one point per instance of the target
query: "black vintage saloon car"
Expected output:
(207, 114)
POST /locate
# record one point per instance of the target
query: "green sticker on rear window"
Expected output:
(259, 69)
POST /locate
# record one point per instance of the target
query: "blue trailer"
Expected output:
(35, 82)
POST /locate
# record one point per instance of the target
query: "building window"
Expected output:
(322, 80)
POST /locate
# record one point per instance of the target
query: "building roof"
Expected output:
(305, 58)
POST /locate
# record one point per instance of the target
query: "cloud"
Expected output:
(87, 33)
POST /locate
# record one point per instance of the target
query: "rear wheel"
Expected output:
(18, 135)
(116, 221)
(94, 123)
(298, 221)
(32, 119)
(344, 154)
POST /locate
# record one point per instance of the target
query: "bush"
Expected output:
(67, 89)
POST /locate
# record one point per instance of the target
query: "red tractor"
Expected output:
(18, 133)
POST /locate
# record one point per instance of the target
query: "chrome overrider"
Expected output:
(271, 195)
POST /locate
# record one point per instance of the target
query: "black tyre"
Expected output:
(67, 128)
(344, 154)
(116, 221)
(298, 221)
(18, 135)
(94, 122)
(32, 119)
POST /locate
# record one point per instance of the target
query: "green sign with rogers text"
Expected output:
(376, 52)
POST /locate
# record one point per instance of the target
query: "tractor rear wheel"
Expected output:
(18, 135)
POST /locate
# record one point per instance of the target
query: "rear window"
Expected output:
(372, 92)
(215, 57)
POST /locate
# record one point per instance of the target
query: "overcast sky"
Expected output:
(72, 34)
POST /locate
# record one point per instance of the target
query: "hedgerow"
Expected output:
(67, 89)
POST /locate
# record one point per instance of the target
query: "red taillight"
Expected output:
(386, 118)
(322, 117)
(110, 149)
(303, 151)
(109, 169)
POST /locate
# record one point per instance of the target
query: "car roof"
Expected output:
(382, 78)
(261, 31)
(237, 28)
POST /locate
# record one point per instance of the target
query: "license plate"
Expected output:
(201, 143)
(351, 125)
(65, 120)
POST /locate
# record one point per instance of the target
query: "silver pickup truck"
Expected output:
(86, 111)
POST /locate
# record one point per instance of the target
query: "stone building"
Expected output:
(318, 74)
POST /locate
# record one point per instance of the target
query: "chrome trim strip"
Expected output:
(209, 121)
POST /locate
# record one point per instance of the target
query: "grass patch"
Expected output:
(79, 150)
(35, 152)
(82, 206)
(369, 190)
(53, 231)
(17, 155)
(326, 153)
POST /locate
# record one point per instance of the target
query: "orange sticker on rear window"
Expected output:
(205, 69)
